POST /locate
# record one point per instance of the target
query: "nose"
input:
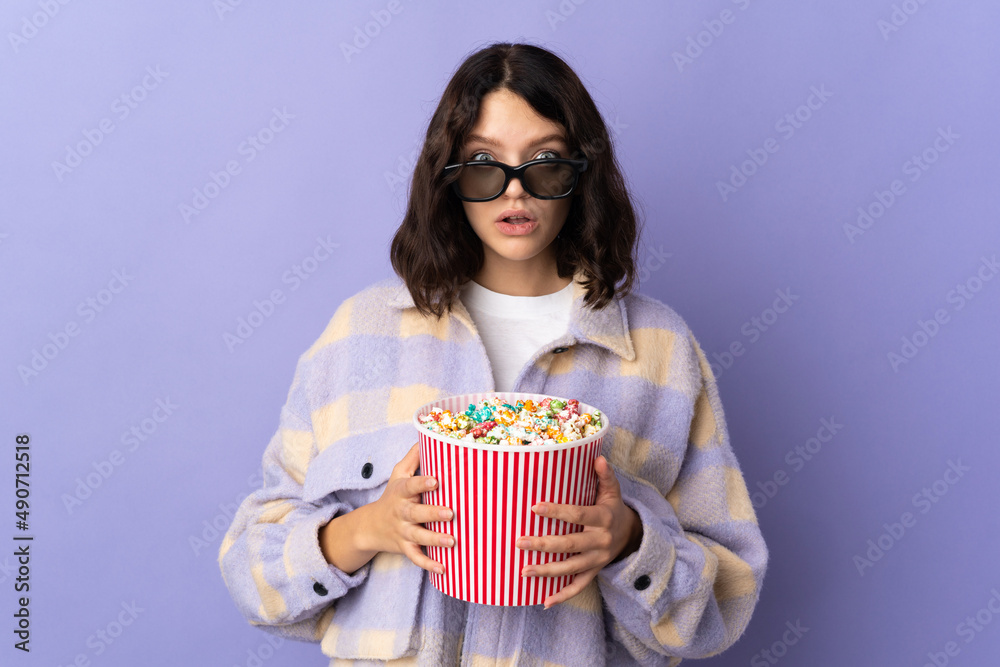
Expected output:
(515, 190)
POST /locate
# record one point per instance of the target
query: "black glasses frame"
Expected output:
(579, 166)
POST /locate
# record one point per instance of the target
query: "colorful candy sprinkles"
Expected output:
(495, 422)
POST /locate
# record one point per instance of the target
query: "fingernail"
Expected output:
(439, 569)
(445, 514)
(431, 483)
(539, 509)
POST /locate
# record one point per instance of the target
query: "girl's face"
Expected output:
(516, 229)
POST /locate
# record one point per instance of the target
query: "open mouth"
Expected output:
(516, 222)
(515, 216)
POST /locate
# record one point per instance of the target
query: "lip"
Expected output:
(516, 212)
(516, 229)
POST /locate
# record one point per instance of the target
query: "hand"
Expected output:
(611, 529)
(396, 516)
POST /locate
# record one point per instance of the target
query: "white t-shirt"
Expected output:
(514, 328)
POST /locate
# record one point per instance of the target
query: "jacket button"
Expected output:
(367, 470)
(559, 350)
(320, 589)
(642, 583)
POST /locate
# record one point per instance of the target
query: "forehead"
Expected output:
(506, 119)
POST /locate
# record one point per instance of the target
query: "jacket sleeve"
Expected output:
(270, 557)
(691, 587)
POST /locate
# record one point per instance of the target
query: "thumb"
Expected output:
(408, 465)
(607, 481)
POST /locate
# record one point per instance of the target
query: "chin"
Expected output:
(517, 254)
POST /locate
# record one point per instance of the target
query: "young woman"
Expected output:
(516, 259)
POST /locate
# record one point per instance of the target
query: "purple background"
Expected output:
(337, 170)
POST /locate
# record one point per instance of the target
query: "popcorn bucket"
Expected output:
(491, 489)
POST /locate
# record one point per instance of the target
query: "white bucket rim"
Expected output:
(508, 396)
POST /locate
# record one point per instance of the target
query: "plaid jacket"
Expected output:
(688, 591)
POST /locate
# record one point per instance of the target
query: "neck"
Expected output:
(521, 278)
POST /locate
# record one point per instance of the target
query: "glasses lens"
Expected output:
(550, 180)
(480, 181)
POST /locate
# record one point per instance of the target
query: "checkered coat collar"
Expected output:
(607, 327)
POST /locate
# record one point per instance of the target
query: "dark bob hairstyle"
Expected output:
(435, 250)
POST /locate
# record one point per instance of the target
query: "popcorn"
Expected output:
(493, 421)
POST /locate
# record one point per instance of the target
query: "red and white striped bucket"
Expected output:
(491, 489)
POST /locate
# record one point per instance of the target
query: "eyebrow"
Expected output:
(476, 138)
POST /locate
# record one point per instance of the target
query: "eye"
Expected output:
(480, 156)
(547, 154)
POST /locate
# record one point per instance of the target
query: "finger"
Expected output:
(573, 565)
(578, 514)
(409, 463)
(414, 486)
(418, 558)
(418, 513)
(429, 538)
(604, 471)
(582, 542)
(606, 474)
(579, 583)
